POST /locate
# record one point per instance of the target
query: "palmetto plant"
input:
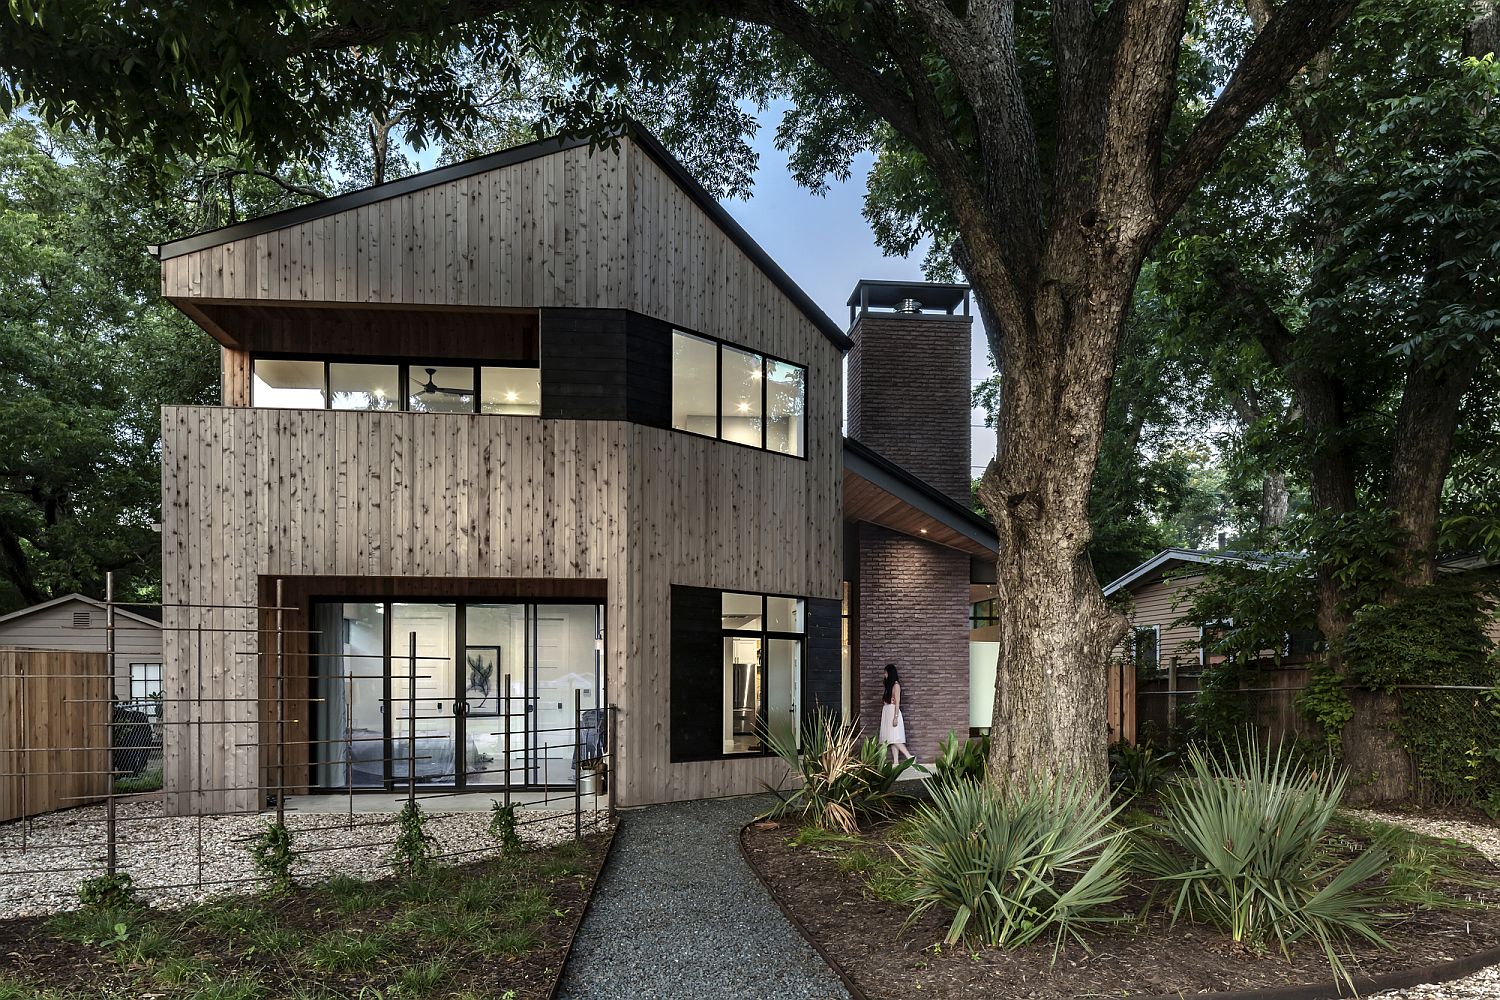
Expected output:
(1037, 857)
(1244, 845)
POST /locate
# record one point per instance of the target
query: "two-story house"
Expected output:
(549, 416)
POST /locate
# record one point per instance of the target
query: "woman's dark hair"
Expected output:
(891, 680)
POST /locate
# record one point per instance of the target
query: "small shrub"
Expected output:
(1244, 845)
(511, 942)
(503, 828)
(1037, 857)
(413, 847)
(1137, 771)
(272, 851)
(343, 950)
(107, 892)
(836, 778)
(962, 760)
(424, 979)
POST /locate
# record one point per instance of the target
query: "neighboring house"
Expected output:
(554, 413)
(78, 622)
(1160, 591)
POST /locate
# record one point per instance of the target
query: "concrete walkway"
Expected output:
(678, 913)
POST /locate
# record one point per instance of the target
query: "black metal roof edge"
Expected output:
(918, 492)
(367, 196)
(946, 286)
(508, 157)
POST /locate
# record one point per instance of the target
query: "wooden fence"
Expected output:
(1121, 702)
(54, 712)
(1269, 700)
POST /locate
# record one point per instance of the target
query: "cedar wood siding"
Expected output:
(251, 494)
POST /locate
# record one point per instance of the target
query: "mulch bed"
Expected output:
(34, 953)
(868, 940)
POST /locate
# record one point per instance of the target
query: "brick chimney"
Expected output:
(909, 378)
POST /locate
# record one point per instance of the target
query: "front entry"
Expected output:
(440, 690)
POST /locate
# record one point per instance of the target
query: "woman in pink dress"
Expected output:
(892, 725)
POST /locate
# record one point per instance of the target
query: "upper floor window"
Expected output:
(728, 392)
(436, 387)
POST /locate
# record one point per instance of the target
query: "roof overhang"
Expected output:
(880, 492)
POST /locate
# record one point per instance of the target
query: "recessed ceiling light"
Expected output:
(512, 396)
(744, 407)
(924, 531)
(755, 374)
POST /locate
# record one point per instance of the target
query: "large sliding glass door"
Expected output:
(448, 717)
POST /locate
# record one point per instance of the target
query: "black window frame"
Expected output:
(985, 618)
(765, 634)
(765, 359)
(404, 364)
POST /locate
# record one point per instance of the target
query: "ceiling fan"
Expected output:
(429, 387)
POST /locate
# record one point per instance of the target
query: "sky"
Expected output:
(826, 246)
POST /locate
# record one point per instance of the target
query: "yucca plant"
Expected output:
(1243, 844)
(835, 777)
(1038, 857)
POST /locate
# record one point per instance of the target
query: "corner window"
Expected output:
(983, 614)
(421, 387)
(762, 668)
(720, 390)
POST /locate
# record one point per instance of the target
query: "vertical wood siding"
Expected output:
(251, 494)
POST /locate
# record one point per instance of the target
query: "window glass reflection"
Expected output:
(740, 401)
(293, 385)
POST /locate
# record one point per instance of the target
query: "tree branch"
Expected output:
(1294, 34)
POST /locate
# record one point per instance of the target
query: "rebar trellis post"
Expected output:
(109, 677)
(578, 763)
(280, 712)
(23, 739)
(411, 722)
(507, 742)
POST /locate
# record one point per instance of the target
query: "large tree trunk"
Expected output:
(1056, 632)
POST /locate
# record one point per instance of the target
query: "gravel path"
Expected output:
(678, 913)
(63, 848)
(1483, 837)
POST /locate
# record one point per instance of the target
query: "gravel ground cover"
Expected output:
(678, 913)
(1484, 838)
(163, 857)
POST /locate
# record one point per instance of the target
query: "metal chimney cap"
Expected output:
(909, 306)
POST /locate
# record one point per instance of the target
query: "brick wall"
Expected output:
(909, 394)
(914, 612)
